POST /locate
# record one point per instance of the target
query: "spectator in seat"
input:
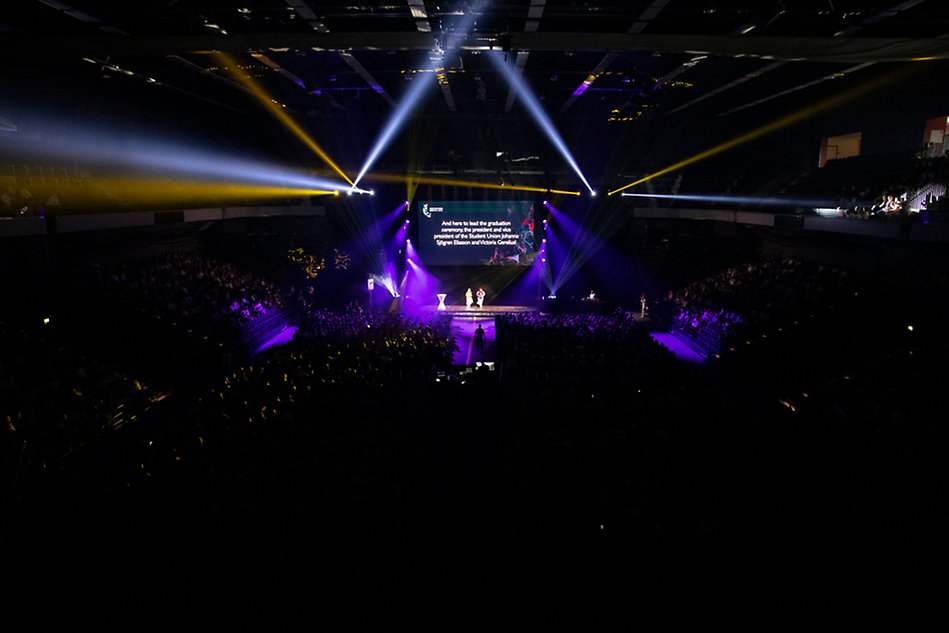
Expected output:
(893, 205)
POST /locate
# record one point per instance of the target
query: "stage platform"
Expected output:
(491, 311)
(486, 312)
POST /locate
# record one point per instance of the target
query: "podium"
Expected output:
(441, 300)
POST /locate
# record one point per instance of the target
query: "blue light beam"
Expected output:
(419, 84)
(750, 200)
(540, 117)
(109, 149)
(396, 120)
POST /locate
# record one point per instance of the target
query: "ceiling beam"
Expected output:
(793, 89)
(815, 49)
(437, 57)
(641, 23)
(441, 76)
(82, 16)
(728, 86)
(208, 73)
(872, 19)
(313, 20)
(687, 65)
(367, 76)
(277, 68)
(420, 15)
(531, 25)
(286, 74)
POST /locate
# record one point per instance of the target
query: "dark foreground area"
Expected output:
(355, 477)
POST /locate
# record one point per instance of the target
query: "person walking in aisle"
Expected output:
(479, 338)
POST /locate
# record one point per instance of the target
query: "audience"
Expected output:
(573, 351)
(588, 438)
(55, 399)
(749, 300)
(211, 295)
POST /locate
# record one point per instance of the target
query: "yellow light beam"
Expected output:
(415, 180)
(794, 117)
(155, 190)
(276, 109)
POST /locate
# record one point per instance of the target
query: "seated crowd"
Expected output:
(896, 200)
(56, 398)
(576, 350)
(205, 293)
(338, 447)
(748, 300)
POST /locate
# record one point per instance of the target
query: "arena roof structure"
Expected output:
(613, 77)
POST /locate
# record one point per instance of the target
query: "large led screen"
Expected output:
(476, 233)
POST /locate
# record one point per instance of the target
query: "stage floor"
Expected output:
(474, 312)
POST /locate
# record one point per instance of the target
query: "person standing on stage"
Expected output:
(480, 297)
(468, 298)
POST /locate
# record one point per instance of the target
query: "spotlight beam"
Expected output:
(367, 233)
(768, 202)
(396, 119)
(585, 241)
(419, 85)
(277, 111)
(118, 155)
(160, 190)
(795, 117)
(540, 117)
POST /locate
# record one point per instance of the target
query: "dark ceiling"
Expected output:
(608, 73)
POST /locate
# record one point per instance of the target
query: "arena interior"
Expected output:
(473, 315)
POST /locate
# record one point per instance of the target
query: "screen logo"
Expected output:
(428, 211)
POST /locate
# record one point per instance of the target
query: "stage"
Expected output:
(486, 312)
